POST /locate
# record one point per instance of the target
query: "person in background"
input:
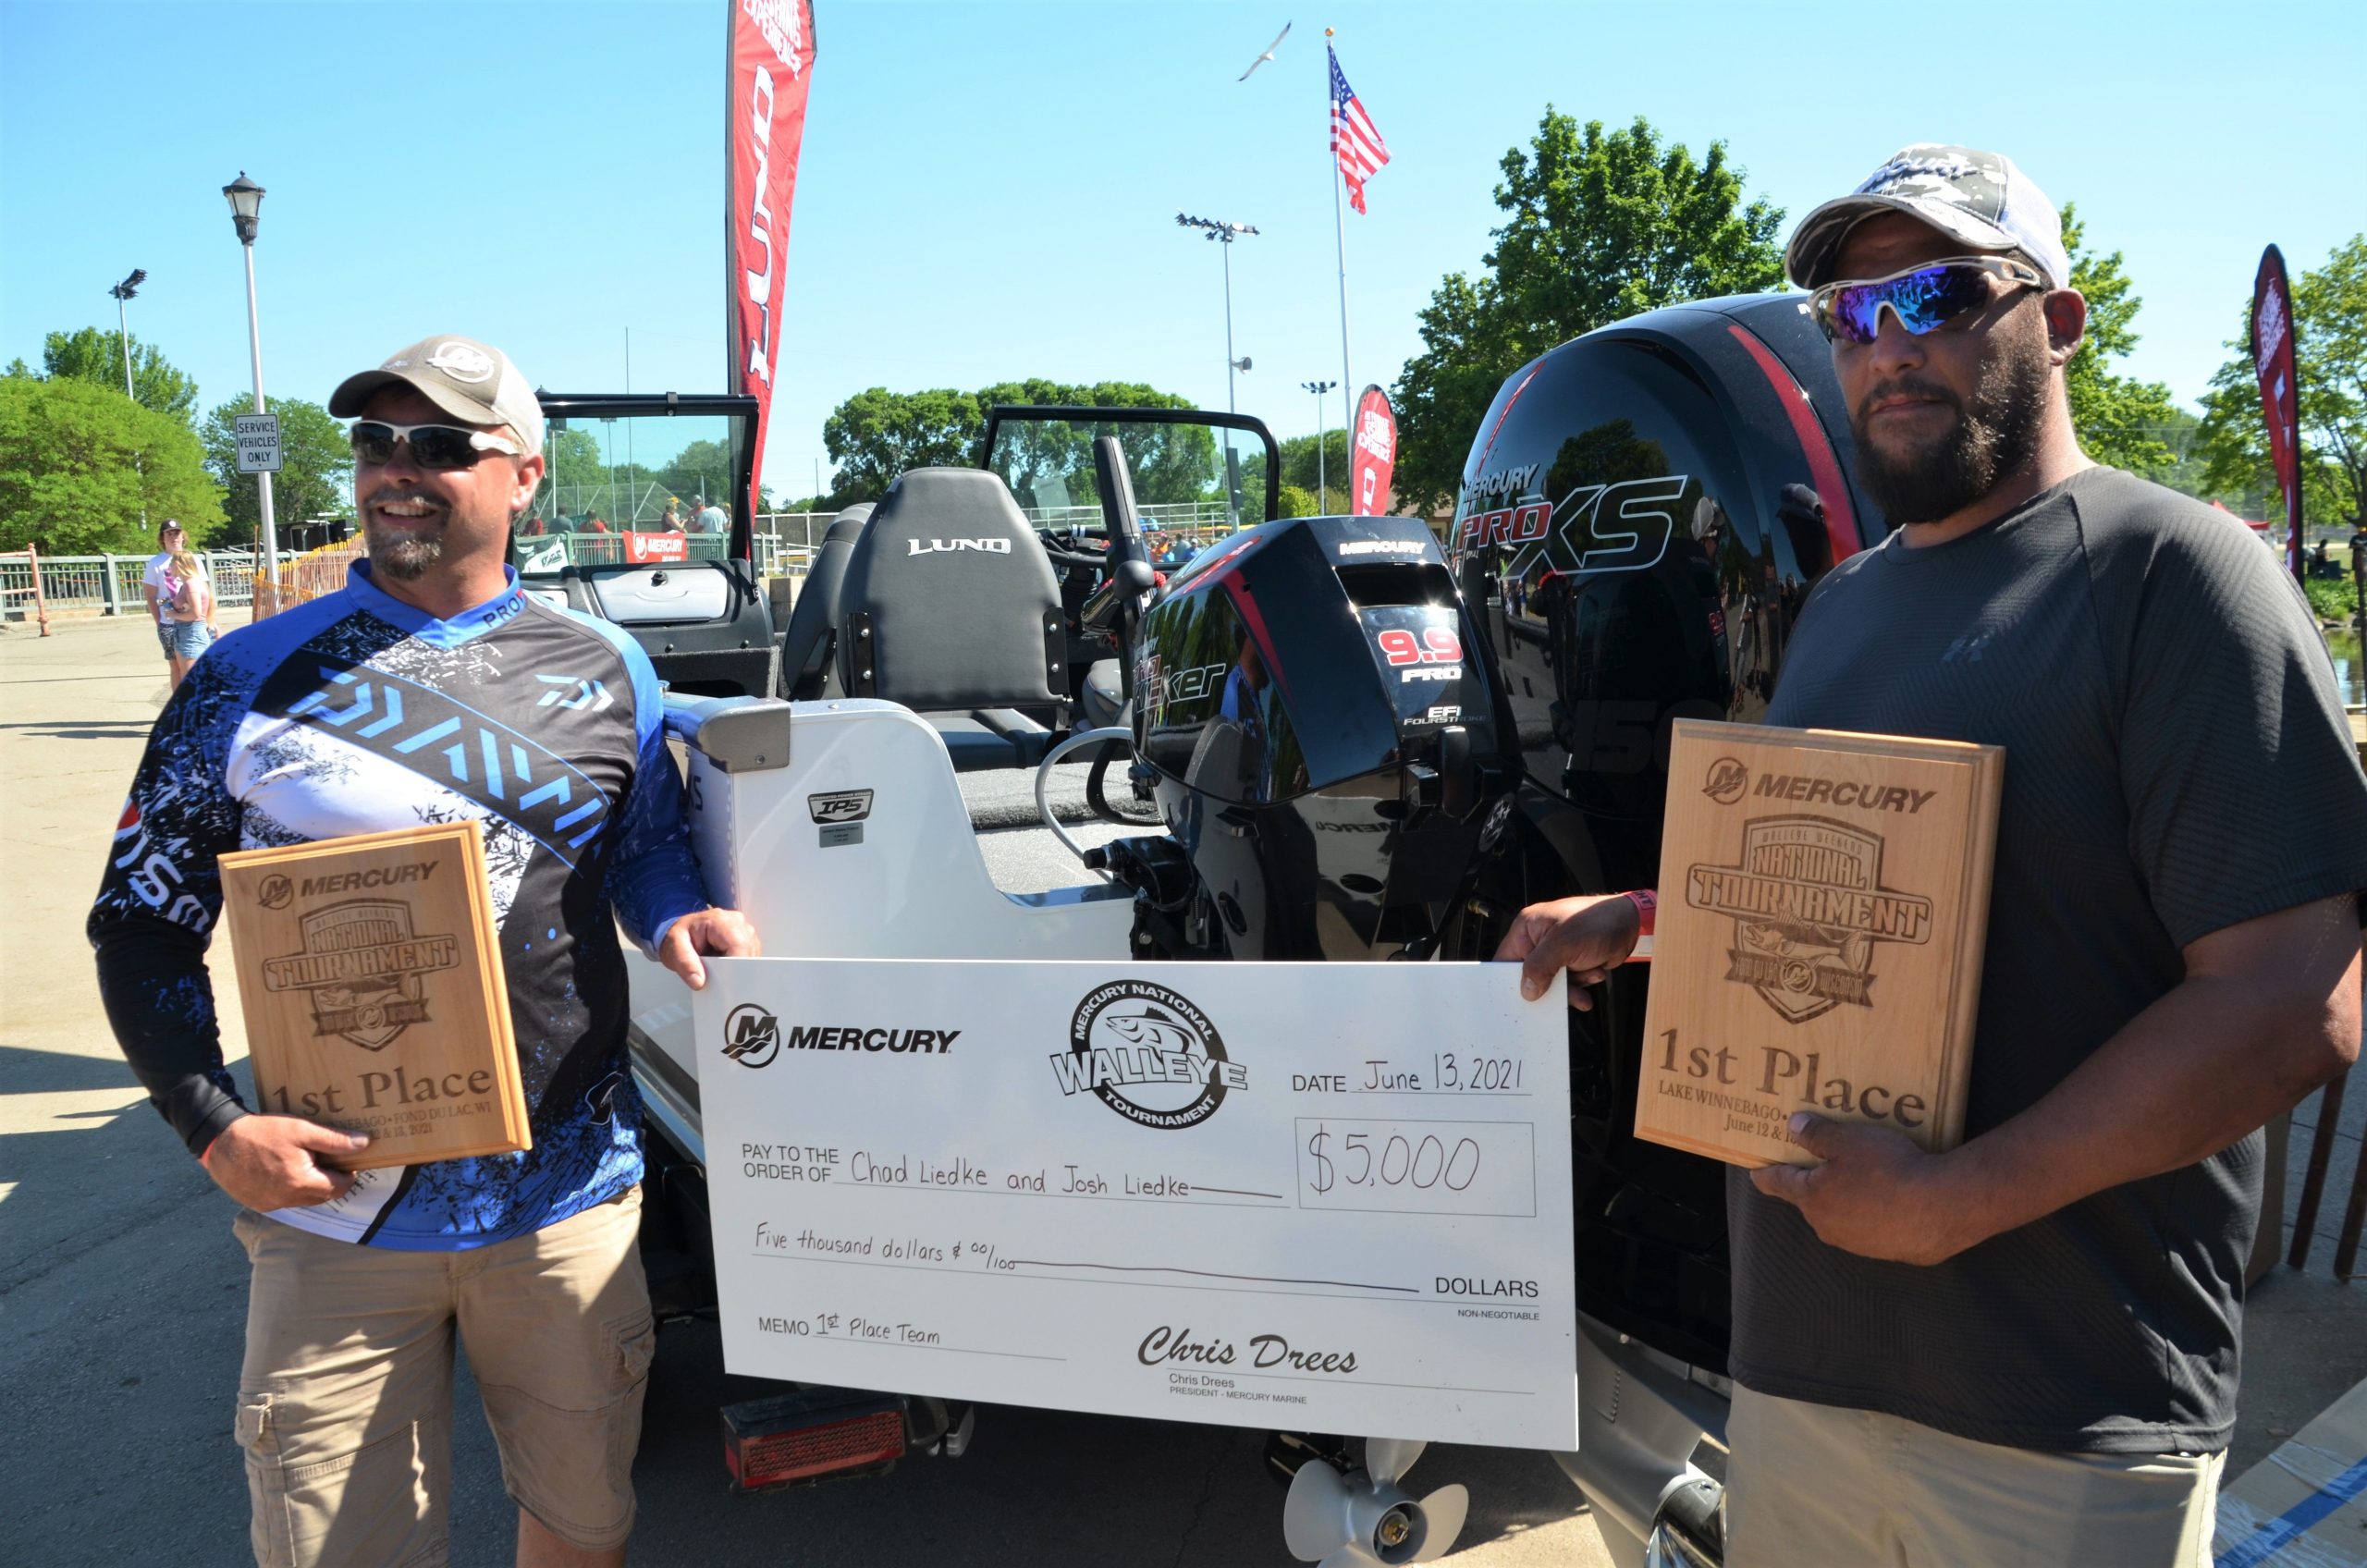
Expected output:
(671, 519)
(712, 518)
(169, 537)
(186, 602)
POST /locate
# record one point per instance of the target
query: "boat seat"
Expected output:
(949, 606)
(809, 667)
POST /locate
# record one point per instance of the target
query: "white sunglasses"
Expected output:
(432, 445)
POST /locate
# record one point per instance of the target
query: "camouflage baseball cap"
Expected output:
(472, 381)
(1978, 198)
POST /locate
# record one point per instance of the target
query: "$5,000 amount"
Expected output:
(1400, 1167)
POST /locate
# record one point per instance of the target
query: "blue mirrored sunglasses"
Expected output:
(1919, 298)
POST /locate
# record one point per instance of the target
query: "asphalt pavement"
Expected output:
(122, 1295)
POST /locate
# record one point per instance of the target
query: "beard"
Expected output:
(403, 554)
(1936, 478)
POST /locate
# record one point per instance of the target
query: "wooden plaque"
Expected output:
(1823, 903)
(371, 974)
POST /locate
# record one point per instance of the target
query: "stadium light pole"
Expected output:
(1322, 491)
(1225, 234)
(246, 206)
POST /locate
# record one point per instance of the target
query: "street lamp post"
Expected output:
(246, 202)
(127, 290)
(1322, 491)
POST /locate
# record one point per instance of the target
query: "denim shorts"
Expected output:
(187, 639)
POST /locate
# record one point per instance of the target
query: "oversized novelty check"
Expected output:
(1328, 1197)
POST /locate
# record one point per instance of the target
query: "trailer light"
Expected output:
(811, 1435)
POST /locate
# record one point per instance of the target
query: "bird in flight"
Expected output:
(1270, 51)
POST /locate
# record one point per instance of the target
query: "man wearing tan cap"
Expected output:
(430, 689)
(2025, 1350)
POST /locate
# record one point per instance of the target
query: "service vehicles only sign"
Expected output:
(258, 443)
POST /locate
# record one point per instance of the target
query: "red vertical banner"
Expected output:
(1372, 453)
(2280, 393)
(771, 60)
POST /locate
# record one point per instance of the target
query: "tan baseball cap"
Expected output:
(474, 382)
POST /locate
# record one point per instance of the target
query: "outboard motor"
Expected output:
(1641, 520)
(1331, 750)
(1641, 517)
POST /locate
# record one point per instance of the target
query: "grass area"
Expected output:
(2333, 598)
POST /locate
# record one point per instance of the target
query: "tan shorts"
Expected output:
(1813, 1484)
(345, 1404)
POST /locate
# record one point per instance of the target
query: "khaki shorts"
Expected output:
(345, 1404)
(1813, 1484)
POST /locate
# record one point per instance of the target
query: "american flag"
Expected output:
(1355, 141)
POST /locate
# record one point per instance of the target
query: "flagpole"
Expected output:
(1340, 239)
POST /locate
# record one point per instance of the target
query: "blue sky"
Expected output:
(988, 190)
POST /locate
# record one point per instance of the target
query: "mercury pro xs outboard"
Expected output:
(1641, 520)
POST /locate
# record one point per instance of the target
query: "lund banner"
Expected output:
(771, 61)
(1372, 453)
(2280, 396)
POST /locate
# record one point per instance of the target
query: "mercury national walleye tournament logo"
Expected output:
(1132, 1034)
(363, 965)
(1809, 906)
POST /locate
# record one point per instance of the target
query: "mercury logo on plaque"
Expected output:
(374, 992)
(1824, 900)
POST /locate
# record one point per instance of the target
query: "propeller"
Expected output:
(1364, 1519)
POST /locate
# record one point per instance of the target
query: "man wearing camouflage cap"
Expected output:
(360, 1280)
(2025, 1350)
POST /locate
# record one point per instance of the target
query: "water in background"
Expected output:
(2346, 671)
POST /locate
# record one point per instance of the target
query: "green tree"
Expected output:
(1299, 467)
(2121, 420)
(1045, 461)
(702, 468)
(1295, 501)
(1599, 225)
(95, 354)
(876, 434)
(79, 464)
(316, 474)
(2330, 342)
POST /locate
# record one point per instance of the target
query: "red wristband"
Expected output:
(1647, 902)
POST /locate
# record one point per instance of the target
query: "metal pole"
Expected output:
(262, 481)
(1340, 239)
(123, 319)
(1227, 240)
(1323, 490)
(625, 526)
(123, 322)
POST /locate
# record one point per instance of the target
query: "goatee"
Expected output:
(404, 557)
(1938, 478)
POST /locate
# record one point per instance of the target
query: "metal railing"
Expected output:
(784, 542)
(110, 584)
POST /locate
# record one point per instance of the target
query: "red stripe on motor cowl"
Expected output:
(1824, 466)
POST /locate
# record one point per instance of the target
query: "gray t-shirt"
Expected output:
(2177, 762)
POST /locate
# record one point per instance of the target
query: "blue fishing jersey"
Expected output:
(357, 714)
